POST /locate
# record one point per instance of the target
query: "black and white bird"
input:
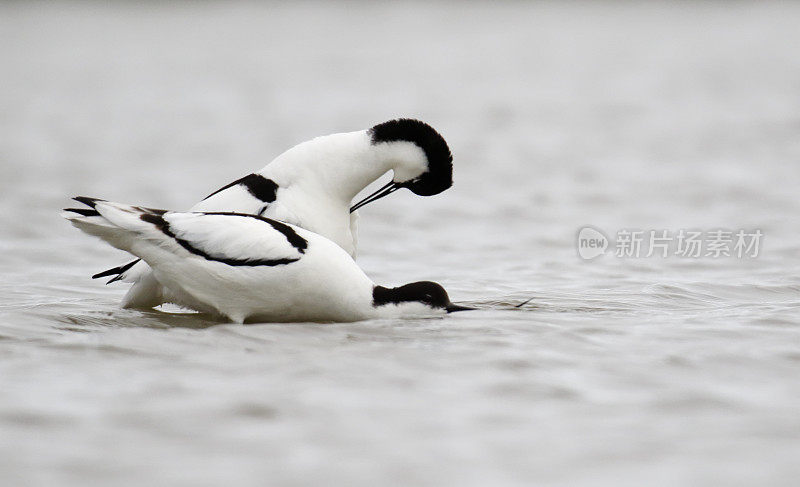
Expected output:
(250, 267)
(312, 186)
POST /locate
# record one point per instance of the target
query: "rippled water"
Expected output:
(671, 371)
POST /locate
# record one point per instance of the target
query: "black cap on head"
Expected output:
(439, 175)
(426, 292)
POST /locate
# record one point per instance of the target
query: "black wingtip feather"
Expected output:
(90, 202)
(116, 270)
(109, 272)
(115, 279)
(83, 211)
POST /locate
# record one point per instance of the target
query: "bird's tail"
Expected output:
(115, 223)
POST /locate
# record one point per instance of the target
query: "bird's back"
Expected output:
(238, 265)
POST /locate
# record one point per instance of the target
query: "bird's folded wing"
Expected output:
(231, 238)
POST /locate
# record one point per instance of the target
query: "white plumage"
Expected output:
(248, 267)
(312, 186)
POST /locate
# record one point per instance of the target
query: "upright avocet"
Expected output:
(312, 186)
(249, 267)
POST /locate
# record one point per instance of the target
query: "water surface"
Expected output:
(672, 371)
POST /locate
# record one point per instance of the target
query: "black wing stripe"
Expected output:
(163, 225)
(292, 237)
(262, 188)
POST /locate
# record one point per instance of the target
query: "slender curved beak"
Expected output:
(452, 308)
(388, 189)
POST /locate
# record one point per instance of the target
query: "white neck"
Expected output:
(341, 165)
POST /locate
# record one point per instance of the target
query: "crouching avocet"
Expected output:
(312, 186)
(249, 267)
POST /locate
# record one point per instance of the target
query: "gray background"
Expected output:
(619, 371)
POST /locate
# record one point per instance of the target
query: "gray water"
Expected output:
(619, 371)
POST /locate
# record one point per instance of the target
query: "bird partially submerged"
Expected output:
(250, 267)
(312, 186)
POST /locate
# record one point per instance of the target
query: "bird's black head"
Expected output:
(438, 175)
(425, 178)
(428, 293)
